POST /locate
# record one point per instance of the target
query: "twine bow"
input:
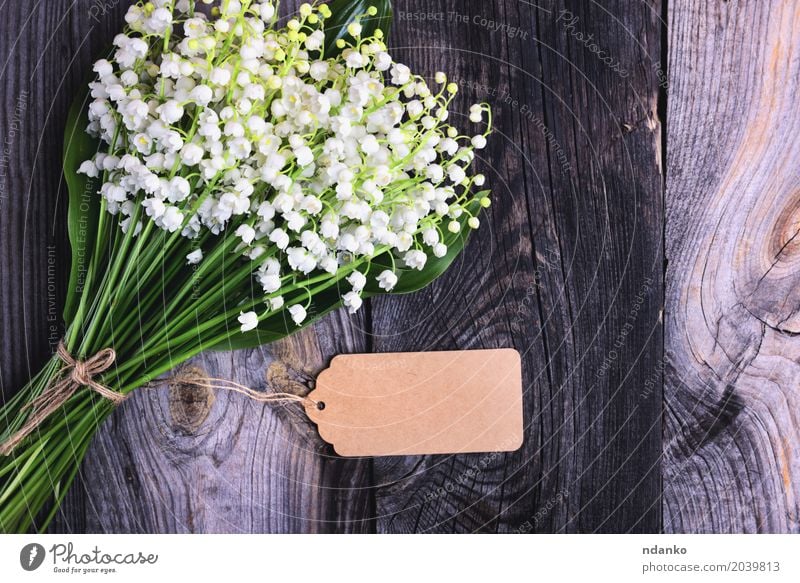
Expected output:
(81, 374)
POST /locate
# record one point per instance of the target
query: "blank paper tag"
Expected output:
(420, 403)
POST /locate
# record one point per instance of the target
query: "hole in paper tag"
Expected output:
(415, 403)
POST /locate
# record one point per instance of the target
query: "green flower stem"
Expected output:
(105, 233)
(145, 297)
(155, 252)
(47, 458)
(226, 317)
(34, 389)
(109, 284)
(41, 461)
(212, 298)
(158, 344)
(177, 356)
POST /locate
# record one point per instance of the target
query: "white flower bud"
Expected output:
(479, 142)
(387, 280)
(298, 313)
(352, 301)
(194, 257)
(249, 321)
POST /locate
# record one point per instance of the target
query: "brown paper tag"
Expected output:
(420, 403)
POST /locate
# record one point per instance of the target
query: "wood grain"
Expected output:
(567, 269)
(731, 432)
(567, 264)
(32, 231)
(169, 460)
(244, 468)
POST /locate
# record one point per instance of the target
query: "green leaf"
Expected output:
(84, 202)
(345, 11)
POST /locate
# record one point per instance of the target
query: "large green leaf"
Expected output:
(84, 201)
(345, 11)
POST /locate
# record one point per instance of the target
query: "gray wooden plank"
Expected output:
(32, 230)
(731, 387)
(165, 462)
(567, 265)
(568, 269)
(173, 460)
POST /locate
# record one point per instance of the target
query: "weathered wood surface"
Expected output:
(732, 396)
(169, 460)
(567, 269)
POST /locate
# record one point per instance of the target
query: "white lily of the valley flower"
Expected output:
(246, 233)
(415, 259)
(194, 257)
(248, 320)
(315, 162)
(387, 280)
(352, 301)
(357, 280)
(298, 313)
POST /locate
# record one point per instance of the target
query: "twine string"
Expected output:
(76, 374)
(72, 376)
(215, 384)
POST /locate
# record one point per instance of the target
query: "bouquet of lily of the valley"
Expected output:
(232, 179)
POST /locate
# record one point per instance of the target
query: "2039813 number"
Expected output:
(755, 566)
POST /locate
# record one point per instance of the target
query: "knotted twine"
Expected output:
(81, 374)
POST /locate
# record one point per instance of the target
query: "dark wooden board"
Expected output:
(568, 265)
(731, 429)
